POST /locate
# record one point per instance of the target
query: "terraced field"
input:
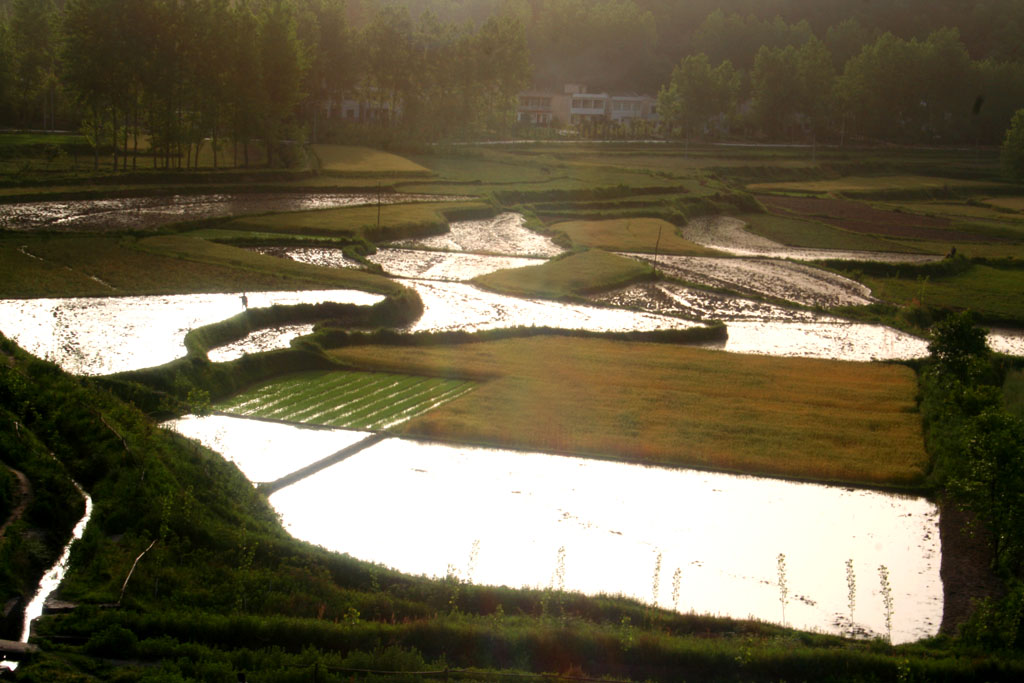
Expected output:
(349, 400)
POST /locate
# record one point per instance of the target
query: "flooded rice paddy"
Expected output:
(691, 541)
(505, 234)
(104, 335)
(460, 306)
(147, 213)
(536, 520)
(413, 263)
(796, 282)
(761, 328)
(259, 341)
(731, 236)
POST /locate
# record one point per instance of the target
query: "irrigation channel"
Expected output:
(678, 539)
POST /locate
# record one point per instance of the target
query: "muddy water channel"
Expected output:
(684, 540)
(147, 213)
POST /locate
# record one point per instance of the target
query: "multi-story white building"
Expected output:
(575, 106)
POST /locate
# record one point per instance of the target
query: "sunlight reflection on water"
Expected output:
(104, 335)
(432, 503)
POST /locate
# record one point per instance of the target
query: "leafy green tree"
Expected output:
(1012, 151)
(792, 88)
(35, 68)
(281, 70)
(323, 31)
(959, 347)
(6, 75)
(387, 59)
(696, 94)
(504, 67)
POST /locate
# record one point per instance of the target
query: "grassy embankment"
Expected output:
(674, 405)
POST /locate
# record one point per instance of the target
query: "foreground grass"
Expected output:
(640, 235)
(675, 405)
(573, 275)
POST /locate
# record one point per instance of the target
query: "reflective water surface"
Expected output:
(104, 335)
(731, 236)
(146, 213)
(413, 263)
(259, 341)
(535, 520)
(51, 579)
(796, 282)
(263, 450)
(459, 306)
(504, 234)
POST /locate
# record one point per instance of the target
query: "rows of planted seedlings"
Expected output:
(350, 400)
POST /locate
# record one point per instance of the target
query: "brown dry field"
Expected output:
(674, 405)
(858, 217)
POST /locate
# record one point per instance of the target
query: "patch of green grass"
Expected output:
(853, 185)
(356, 221)
(796, 232)
(677, 405)
(349, 400)
(639, 235)
(993, 293)
(1012, 204)
(298, 275)
(580, 273)
(86, 265)
(351, 159)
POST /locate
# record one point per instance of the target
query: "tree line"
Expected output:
(184, 74)
(893, 89)
(175, 75)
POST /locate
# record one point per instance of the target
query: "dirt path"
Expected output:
(24, 498)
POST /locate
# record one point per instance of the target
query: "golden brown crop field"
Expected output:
(674, 405)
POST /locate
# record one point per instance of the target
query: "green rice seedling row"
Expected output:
(385, 408)
(352, 400)
(313, 405)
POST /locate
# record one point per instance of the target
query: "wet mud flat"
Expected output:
(409, 263)
(796, 282)
(149, 213)
(731, 235)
